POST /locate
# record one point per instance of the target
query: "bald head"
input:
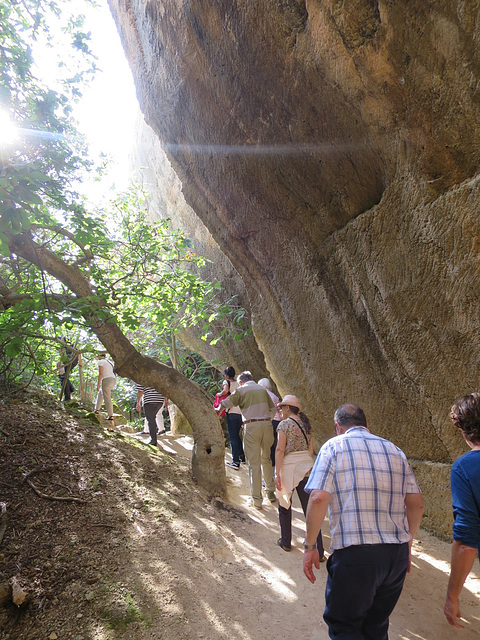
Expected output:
(350, 415)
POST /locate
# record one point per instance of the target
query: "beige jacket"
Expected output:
(295, 467)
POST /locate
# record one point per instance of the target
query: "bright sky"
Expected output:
(108, 111)
(109, 108)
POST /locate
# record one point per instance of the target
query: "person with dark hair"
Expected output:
(375, 508)
(233, 418)
(257, 410)
(293, 463)
(153, 402)
(465, 487)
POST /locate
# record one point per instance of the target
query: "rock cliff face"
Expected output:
(331, 150)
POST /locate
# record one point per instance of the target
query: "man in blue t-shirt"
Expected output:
(465, 484)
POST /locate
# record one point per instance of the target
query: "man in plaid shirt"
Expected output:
(375, 509)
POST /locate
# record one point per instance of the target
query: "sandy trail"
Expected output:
(419, 613)
(256, 590)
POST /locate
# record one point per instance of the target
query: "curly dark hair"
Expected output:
(465, 415)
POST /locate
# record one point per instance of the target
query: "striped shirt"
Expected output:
(367, 478)
(253, 400)
(150, 396)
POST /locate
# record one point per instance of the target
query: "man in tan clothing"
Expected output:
(257, 411)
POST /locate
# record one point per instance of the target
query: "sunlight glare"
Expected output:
(8, 131)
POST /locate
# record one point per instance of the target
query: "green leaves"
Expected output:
(143, 275)
(13, 347)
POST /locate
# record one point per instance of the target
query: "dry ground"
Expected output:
(146, 556)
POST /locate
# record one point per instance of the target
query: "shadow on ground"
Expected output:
(147, 555)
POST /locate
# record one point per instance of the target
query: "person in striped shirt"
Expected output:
(375, 509)
(152, 403)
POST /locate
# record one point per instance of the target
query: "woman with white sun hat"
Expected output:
(293, 463)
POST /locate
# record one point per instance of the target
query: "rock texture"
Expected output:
(331, 150)
(152, 169)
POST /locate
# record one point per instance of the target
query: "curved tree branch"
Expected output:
(70, 236)
(209, 444)
(11, 299)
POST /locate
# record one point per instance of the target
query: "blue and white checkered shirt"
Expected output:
(367, 478)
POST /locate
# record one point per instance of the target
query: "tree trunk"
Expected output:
(209, 445)
(178, 422)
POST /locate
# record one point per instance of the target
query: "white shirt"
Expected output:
(107, 368)
(233, 385)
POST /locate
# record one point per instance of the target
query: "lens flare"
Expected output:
(8, 131)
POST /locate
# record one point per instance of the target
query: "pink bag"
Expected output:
(216, 403)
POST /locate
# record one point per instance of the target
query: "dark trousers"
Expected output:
(234, 425)
(285, 517)
(68, 389)
(363, 586)
(275, 424)
(151, 410)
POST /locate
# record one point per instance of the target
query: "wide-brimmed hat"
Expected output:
(293, 401)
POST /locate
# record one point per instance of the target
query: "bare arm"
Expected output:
(139, 398)
(463, 558)
(414, 509)
(225, 389)
(316, 510)
(279, 455)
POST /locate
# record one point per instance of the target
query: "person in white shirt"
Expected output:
(105, 384)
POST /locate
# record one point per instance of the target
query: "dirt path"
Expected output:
(269, 597)
(145, 556)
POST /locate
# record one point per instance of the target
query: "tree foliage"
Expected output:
(142, 276)
(65, 270)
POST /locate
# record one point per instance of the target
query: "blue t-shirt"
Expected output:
(465, 483)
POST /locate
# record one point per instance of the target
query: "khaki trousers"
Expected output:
(257, 441)
(105, 393)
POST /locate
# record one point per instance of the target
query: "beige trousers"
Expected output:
(257, 441)
(105, 393)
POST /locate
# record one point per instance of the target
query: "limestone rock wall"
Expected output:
(331, 149)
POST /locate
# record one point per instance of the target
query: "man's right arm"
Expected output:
(463, 558)
(232, 400)
(316, 511)
(272, 408)
(414, 511)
